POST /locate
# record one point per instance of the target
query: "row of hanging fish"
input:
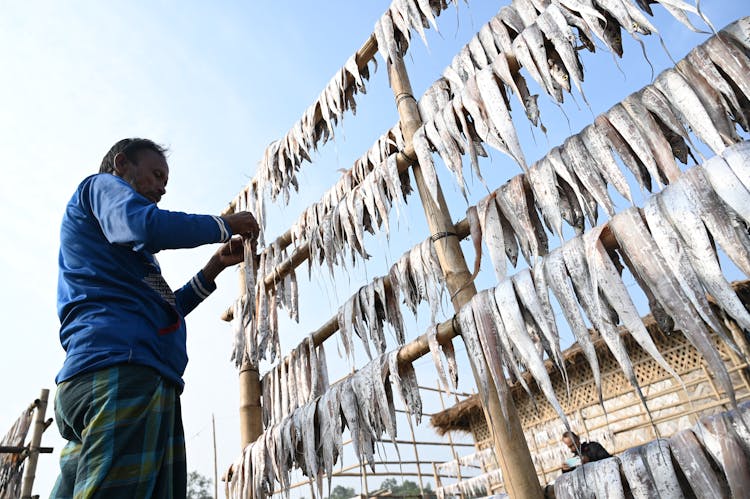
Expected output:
(476, 486)
(365, 314)
(648, 130)
(713, 457)
(295, 381)
(282, 158)
(666, 246)
(707, 93)
(310, 437)
(482, 459)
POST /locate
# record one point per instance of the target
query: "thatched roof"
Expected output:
(459, 417)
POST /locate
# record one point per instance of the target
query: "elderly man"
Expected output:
(583, 452)
(123, 328)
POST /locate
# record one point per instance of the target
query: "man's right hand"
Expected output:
(242, 223)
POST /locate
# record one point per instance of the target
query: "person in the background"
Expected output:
(585, 452)
(123, 328)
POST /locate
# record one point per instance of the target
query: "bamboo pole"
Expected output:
(510, 445)
(251, 420)
(29, 473)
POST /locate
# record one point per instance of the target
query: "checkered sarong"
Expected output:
(125, 438)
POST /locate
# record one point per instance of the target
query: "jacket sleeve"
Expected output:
(130, 219)
(193, 293)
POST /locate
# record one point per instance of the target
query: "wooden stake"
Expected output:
(29, 472)
(519, 475)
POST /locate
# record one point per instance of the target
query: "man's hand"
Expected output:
(230, 253)
(243, 223)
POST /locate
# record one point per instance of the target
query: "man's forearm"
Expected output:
(212, 269)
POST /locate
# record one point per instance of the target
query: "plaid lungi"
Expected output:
(125, 438)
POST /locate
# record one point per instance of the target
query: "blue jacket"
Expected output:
(114, 305)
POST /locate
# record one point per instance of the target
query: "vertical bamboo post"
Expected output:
(29, 473)
(511, 449)
(216, 463)
(251, 420)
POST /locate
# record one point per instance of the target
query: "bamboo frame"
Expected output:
(39, 425)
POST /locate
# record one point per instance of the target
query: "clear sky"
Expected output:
(216, 82)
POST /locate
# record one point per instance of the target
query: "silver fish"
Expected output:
(659, 145)
(492, 232)
(689, 106)
(544, 319)
(426, 165)
(534, 40)
(600, 151)
(574, 256)
(660, 107)
(584, 198)
(636, 139)
(605, 128)
(435, 351)
(579, 160)
(542, 180)
(497, 108)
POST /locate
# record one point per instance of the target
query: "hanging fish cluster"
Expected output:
(667, 247)
(296, 380)
(712, 457)
(11, 465)
(458, 117)
(393, 29)
(255, 313)
(310, 437)
(417, 276)
(450, 358)
(282, 158)
(365, 313)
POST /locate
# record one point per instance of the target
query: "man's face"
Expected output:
(148, 174)
(571, 444)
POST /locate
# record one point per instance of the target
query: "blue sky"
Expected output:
(216, 82)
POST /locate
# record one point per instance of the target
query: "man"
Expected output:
(586, 451)
(123, 328)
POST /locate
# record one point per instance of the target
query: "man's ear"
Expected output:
(120, 164)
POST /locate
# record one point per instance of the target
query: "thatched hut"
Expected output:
(626, 423)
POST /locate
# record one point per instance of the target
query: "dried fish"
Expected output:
(556, 276)
(634, 240)
(694, 464)
(689, 108)
(542, 181)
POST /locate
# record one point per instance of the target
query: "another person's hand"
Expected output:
(243, 223)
